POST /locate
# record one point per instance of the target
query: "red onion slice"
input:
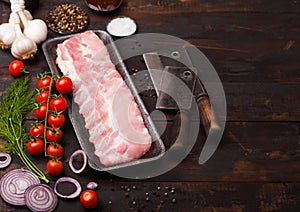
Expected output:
(69, 180)
(6, 162)
(92, 185)
(73, 156)
(40, 198)
(14, 183)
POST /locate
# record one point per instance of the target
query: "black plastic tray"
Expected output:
(157, 148)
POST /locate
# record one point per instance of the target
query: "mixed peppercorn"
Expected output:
(67, 19)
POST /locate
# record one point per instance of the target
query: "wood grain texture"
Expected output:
(254, 46)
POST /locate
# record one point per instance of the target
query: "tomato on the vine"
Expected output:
(55, 150)
(55, 167)
(17, 68)
(42, 96)
(89, 199)
(45, 82)
(54, 135)
(41, 111)
(58, 104)
(37, 130)
(36, 147)
(56, 120)
(64, 85)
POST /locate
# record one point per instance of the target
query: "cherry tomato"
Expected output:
(17, 68)
(37, 130)
(56, 120)
(55, 150)
(35, 147)
(64, 85)
(42, 96)
(58, 104)
(54, 135)
(45, 82)
(41, 111)
(89, 199)
(55, 167)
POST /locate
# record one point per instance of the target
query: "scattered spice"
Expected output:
(133, 187)
(174, 200)
(67, 19)
(134, 202)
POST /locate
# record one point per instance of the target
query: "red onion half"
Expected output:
(40, 198)
(6, 162)
(14, 183)
(69, 180)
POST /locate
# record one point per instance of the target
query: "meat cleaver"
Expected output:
(162, 80)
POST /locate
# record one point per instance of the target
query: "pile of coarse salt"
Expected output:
(121, 26)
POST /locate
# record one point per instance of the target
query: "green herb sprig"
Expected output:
(16, 103)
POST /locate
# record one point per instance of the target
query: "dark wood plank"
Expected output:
(248, 152)
(254, 46)
(201, 196)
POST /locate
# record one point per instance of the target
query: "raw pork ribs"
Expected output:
(112, 116)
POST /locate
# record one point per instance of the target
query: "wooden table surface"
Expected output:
(254, 47)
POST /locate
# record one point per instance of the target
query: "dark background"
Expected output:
(254, 47)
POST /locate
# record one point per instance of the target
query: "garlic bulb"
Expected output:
(35, 29)
(7, 35)
(23, 47)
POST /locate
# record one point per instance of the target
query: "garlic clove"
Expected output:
(23, 48)
(36, 30)
(28, 15)
(7, 35)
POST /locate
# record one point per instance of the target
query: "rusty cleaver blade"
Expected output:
(208, 118)
(155, 68)
(174, 87)
(177, 87)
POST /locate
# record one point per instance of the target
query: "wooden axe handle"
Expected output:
(207, 115)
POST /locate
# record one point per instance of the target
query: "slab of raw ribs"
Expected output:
(112, 116)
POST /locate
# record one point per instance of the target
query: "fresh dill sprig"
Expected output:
(15, 105)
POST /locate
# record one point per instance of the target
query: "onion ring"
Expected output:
(75, 154)
(69, 180)
(40, 198)
(14, 183)
(6, 162)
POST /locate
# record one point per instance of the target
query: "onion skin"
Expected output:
(73, 156)
(69, 180)
(40, 198)
(92, 185)
(6, 162)
(14, 183)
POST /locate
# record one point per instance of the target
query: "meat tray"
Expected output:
(157, 148)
